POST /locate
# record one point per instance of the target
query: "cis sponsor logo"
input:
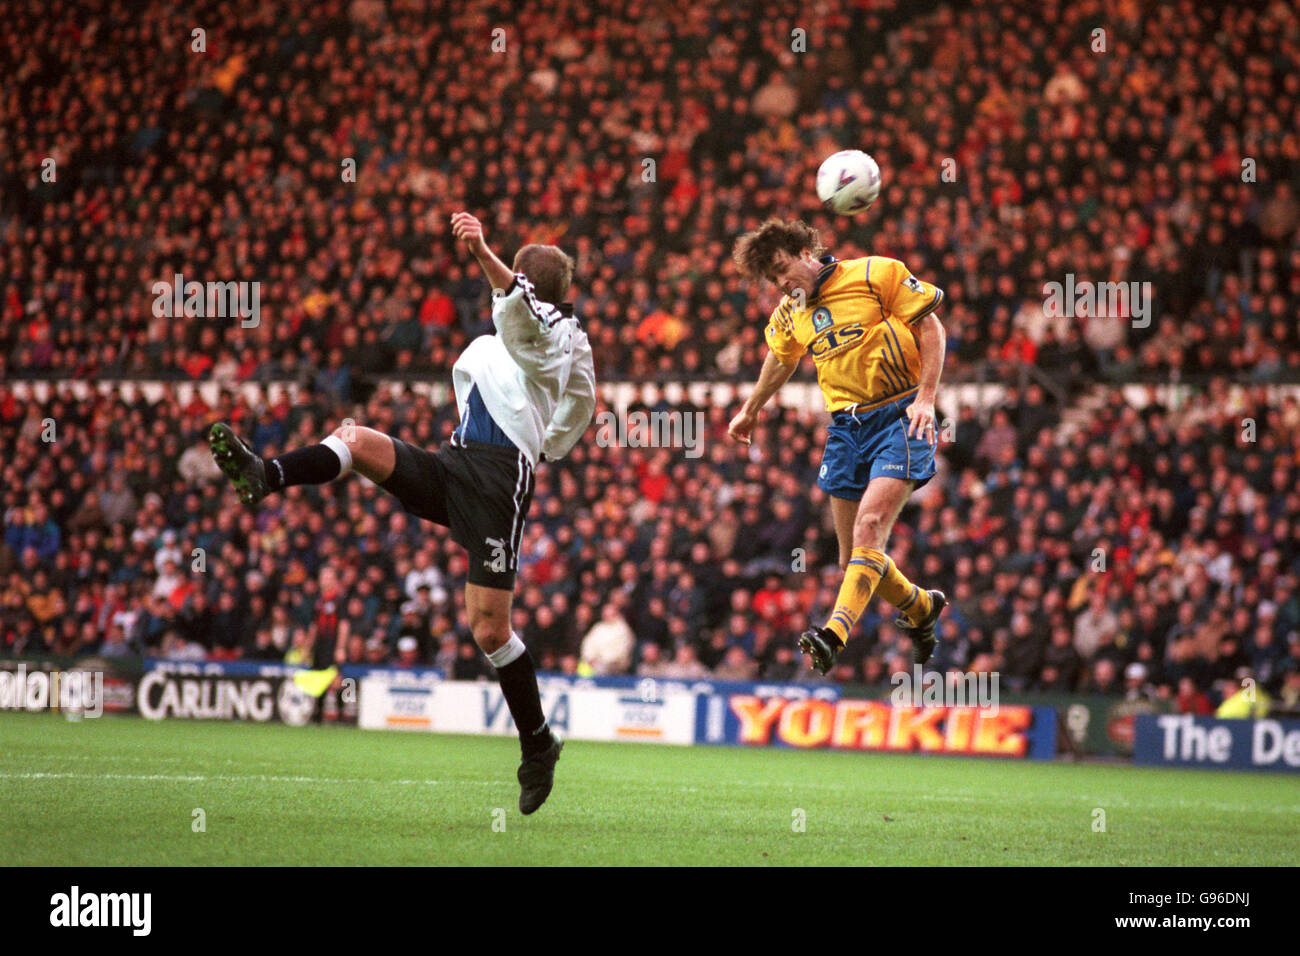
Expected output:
(836, 341)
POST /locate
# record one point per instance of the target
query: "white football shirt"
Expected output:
(535, 376)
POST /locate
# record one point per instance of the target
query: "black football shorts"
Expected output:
(481, 492)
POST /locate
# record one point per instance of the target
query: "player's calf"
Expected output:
(540, 747)
(488, 610)
(350, 448)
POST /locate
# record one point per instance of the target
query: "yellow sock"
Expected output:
(911, 601)
(866, 567)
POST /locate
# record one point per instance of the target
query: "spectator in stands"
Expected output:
(1192, 700)
(685, 665)
(736, 665)
(1094, 627)
(608, 647)
(408, 651)
(652, 663)
(1103, 679)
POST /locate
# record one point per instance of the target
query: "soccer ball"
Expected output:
(848, 182)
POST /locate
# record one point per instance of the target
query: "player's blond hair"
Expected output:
(548, 268)
(755, 250)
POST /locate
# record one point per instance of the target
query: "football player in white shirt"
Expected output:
(525, 393)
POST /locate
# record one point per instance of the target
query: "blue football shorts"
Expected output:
(873, 444)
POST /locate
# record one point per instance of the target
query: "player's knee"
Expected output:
(371, 451)
(351, 436)
(491, 630)
(356, 437)
(490, 639)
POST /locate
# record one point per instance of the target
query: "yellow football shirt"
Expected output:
(857, 323)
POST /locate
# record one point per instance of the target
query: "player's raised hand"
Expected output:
(469, 231)
(742, 427)
(921, 421)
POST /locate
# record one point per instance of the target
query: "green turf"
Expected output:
(122, 790)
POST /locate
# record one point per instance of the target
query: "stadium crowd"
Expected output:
(1019, 146)
(1153, 548)
(1157, 538)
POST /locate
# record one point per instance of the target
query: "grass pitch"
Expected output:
(124, 791)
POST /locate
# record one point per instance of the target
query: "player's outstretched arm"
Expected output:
(775, 373)
(932, 342)
(470, 231)
(573, 413)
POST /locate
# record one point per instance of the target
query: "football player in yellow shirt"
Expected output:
(871, 328)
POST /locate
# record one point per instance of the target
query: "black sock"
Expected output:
(519, 686)
(313, 465)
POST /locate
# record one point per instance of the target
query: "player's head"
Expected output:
(783, 253)
(548, 268)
